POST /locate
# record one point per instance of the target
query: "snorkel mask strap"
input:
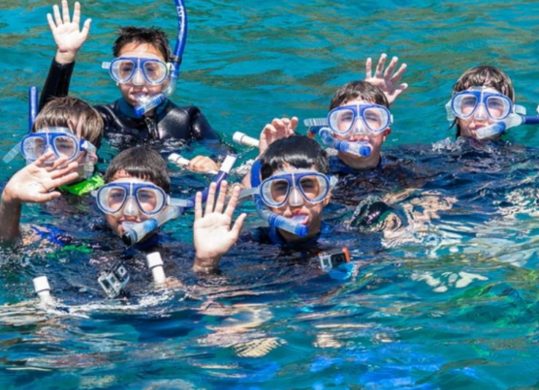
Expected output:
(177, 56)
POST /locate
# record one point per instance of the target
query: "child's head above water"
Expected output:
(141, 68)
(137, 187)
(294, 181)
(359, 118)
(491, 97)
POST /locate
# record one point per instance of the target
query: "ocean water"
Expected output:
(445, 298)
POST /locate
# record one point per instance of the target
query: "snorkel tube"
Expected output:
(150, 103)
(33, 98)
(134, 233)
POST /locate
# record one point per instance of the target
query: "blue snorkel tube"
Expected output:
(136, 232)
(33, 104)
(176, 58)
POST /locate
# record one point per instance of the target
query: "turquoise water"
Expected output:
(448, 300)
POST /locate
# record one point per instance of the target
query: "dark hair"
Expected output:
(71, 112)
(358, 90)
(143, 163)
(486, 76)
(152, 36)
(298, 151)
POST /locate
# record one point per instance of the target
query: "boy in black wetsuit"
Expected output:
(141, 68)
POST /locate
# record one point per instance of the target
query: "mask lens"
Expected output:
(275, 191)
(376, 118)
(111, 198)
(155, 71)
(122, 70)
(311, 187)
(34, 146)
(150, 200)
(464, 105)
(341, 120)
(65, 146)
(498, 107)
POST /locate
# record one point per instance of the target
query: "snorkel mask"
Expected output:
(63, 143)
(344, 121)
(484, 103)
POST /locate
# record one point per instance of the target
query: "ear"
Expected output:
(385, 133)
(326, 200)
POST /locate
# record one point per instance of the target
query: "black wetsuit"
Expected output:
(123, 128)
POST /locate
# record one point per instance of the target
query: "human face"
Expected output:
(375, 141)
(137, 87)
(134, 215)
(477, 119)
(309, 214)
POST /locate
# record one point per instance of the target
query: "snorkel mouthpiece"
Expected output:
(490, 131)
(147, 104)
(136, 232)
(362, 148)
(287, 224)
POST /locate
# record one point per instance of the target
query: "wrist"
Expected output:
(10, 199)
(65, 57)
(206, 264)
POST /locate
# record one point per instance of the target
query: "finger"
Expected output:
(58, 163)
(210, 200)
(233, 202)
(380, 65)
(238, 225)
(368, 68)
(44, 157)
(294, 123)
(57, 17)
(198, 205)
(389, 70)
(68, 169)
(47, 196)
(220, 204)
(65, 11)
(52, 25)
(64, 179)
(86, 28)
(398, 74)
(76, 13)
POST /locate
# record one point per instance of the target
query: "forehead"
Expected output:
(287, 168)
(483, 89)
(355, 101)
(123, 176)
(137, 49)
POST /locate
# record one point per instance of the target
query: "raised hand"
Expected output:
(387, 80)
(67, 34)
(36, 183)
(277, 129)
(213, 235)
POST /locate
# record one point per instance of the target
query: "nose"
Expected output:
(138, 77)
(131, 208)
(481, 112)
(359, 127)
(295, 199)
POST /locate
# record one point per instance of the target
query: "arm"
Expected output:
(69, 38)
(33, 183)
(212, 234)
(387, 80)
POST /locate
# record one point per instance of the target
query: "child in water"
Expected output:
(294, 187)
(61, 155)
(482, 104)
(141, 69)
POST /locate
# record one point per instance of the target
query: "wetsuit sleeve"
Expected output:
(57, 83)
(201, 129)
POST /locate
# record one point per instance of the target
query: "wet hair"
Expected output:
(358, 90)
(484, 76)
(298, 151)
(143, 163)
(72, 112)
(152, 36)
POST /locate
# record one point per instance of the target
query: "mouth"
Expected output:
(301, 218)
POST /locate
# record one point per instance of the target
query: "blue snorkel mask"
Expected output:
(152, 70)
(484, 103)
(344, 121)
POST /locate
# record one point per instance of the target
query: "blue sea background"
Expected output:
(394, 325)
